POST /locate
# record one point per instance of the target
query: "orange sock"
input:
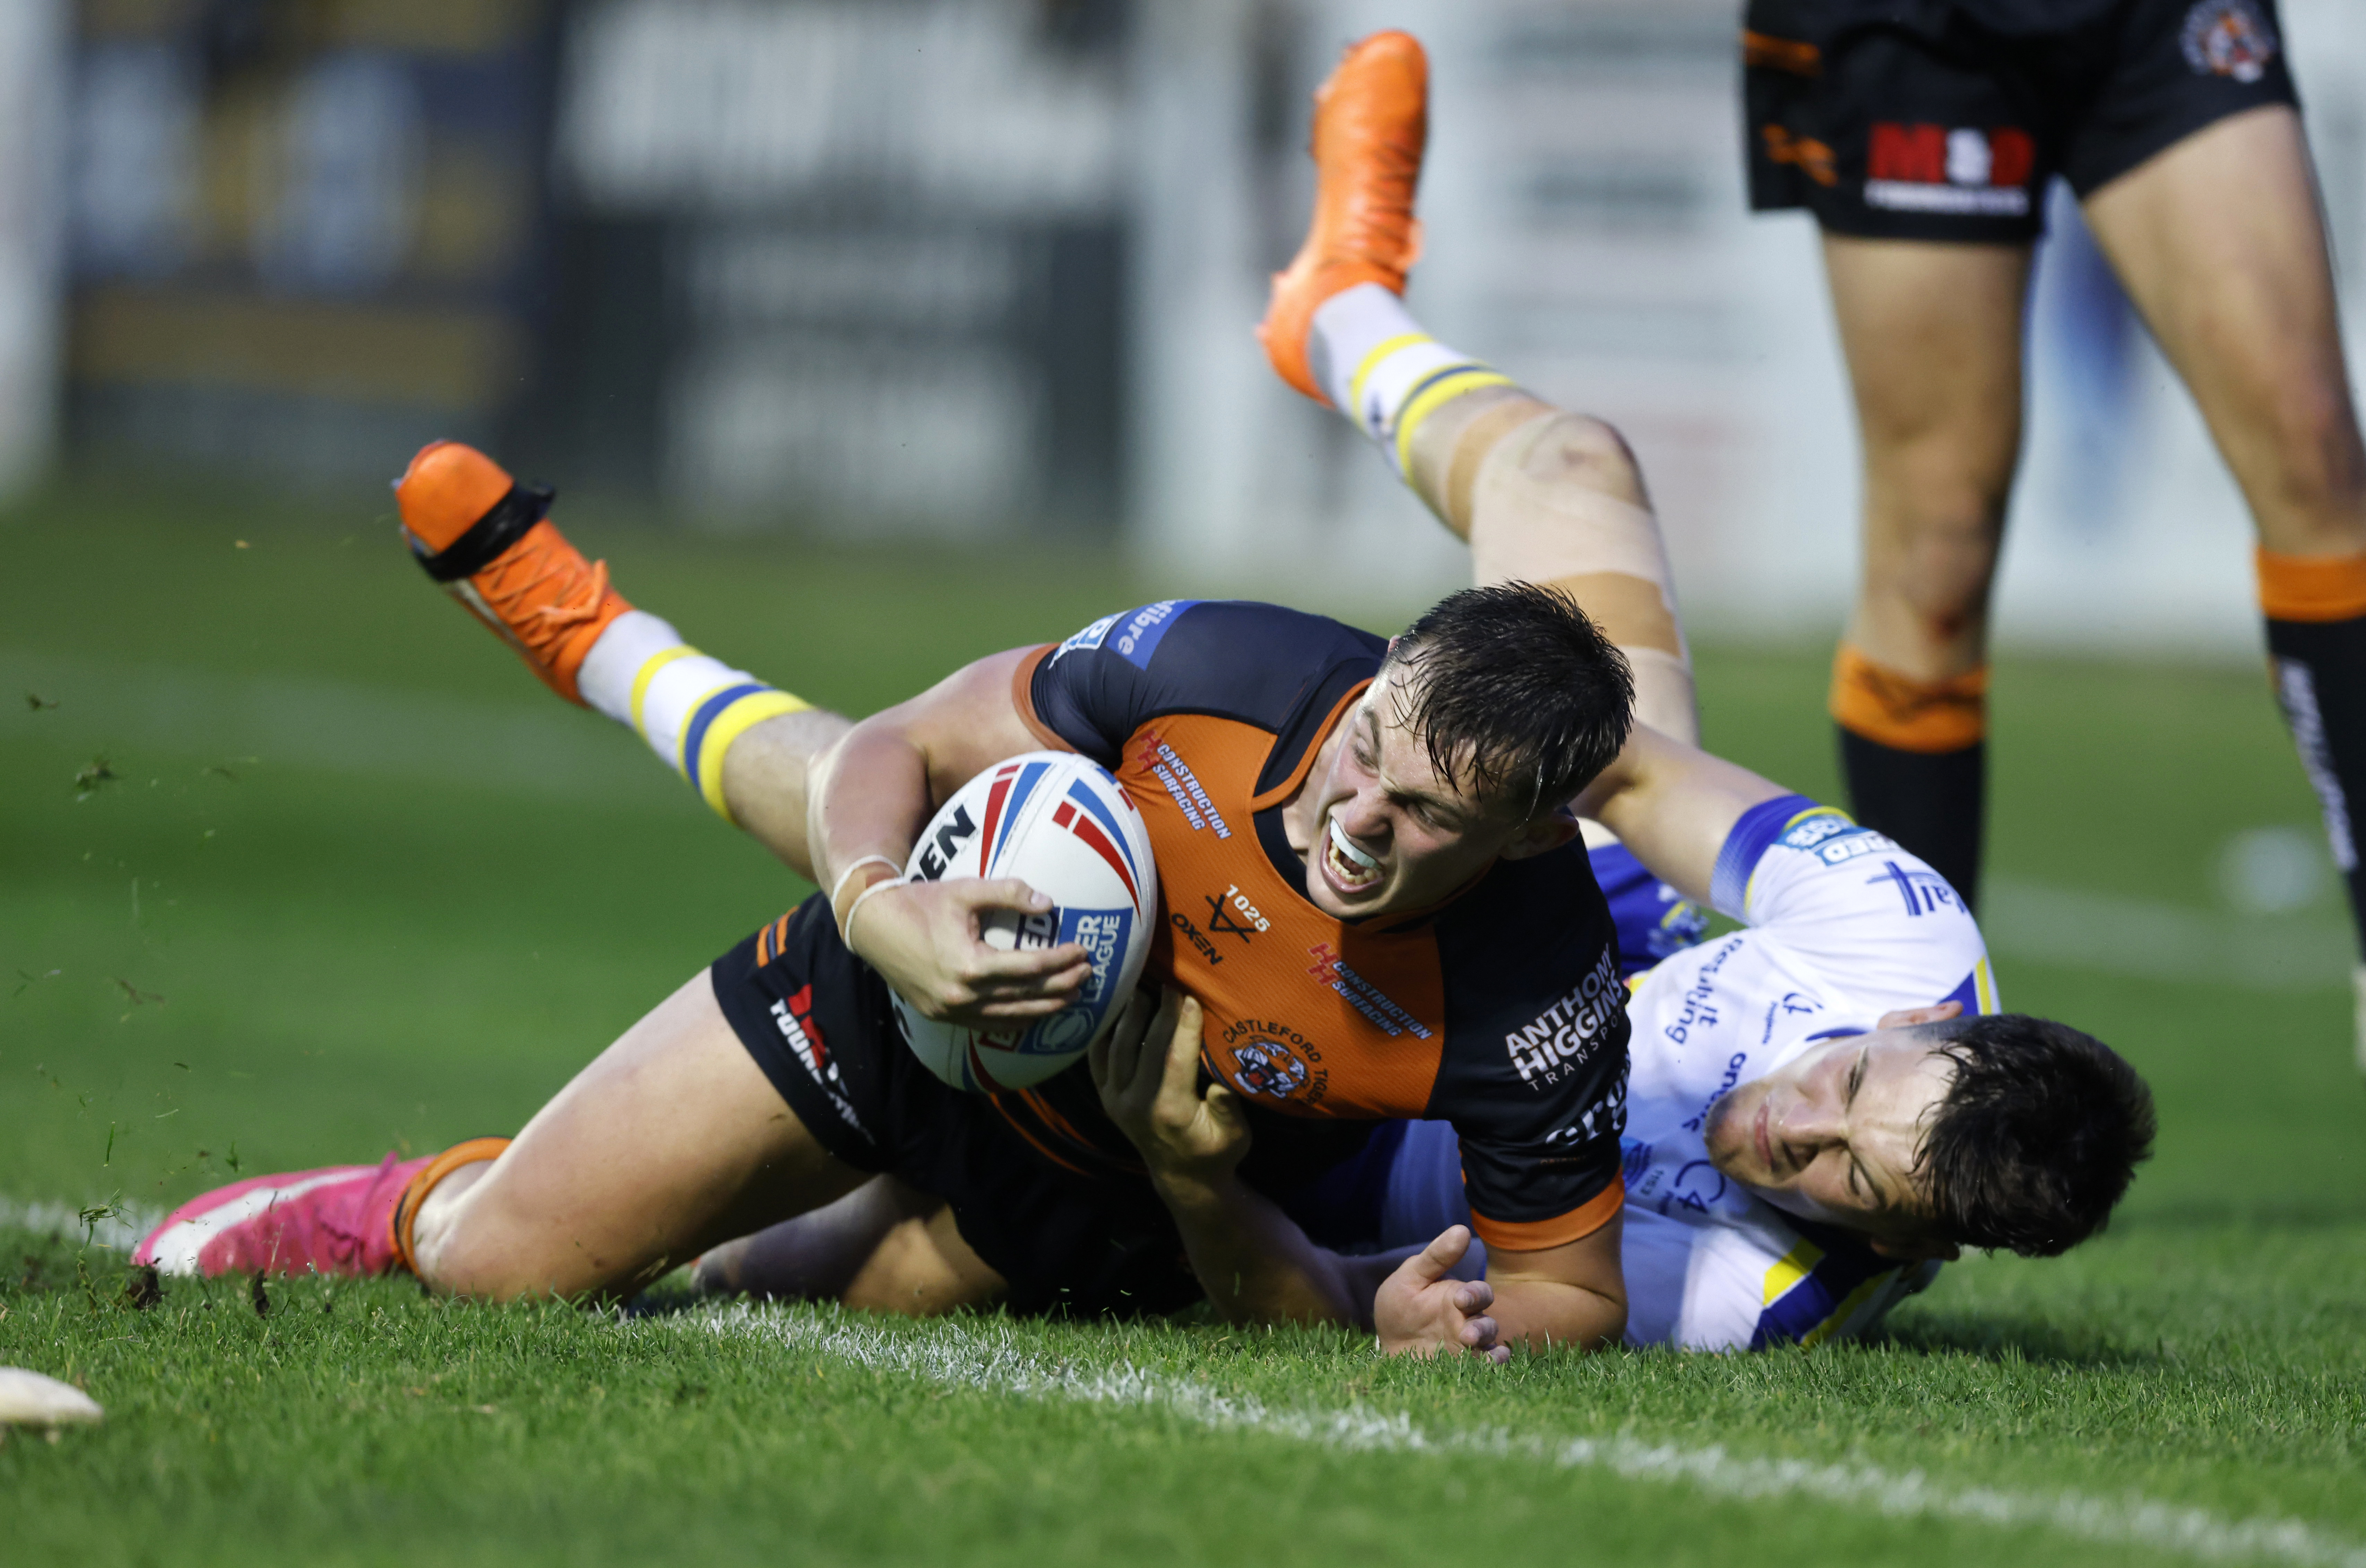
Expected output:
(2316, 609)
(1915, 761)
(1907, 714)
(2311, 587)
(406, 1211)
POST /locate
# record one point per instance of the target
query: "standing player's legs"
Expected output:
(2219, 243)
(1932, 332)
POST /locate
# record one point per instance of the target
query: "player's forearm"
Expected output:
(877, 787)
(1554, 1314)
(1254, 1263)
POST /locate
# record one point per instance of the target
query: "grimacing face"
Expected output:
(1839, 1129)
(1382, 833)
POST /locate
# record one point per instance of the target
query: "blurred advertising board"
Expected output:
(1587, 232)
(302, 235)
(854, 262)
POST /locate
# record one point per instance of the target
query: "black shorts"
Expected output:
(1944, 120)
(1066, 1237)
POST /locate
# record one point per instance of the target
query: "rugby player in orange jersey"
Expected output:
(1379, 843)
(1896, 1114)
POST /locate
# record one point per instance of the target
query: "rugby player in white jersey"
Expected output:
(1822, 1107)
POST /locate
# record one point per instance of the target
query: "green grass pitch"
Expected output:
(299, 867)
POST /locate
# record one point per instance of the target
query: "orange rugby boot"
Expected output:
(1371, 121)
(490, 542)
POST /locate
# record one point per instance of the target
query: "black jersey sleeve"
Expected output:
(1534, 1073)
(1258, 664)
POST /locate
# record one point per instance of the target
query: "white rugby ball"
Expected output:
(1061, 824)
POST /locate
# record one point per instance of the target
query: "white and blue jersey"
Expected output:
(1843, 926)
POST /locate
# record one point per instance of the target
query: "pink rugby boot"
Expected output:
(340, 1219)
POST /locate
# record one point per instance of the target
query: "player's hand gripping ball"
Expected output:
(1061, 824)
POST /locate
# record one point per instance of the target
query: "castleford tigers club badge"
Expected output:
(2229, 38)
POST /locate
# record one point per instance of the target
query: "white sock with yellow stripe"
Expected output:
(1382, 371)
(689, 707)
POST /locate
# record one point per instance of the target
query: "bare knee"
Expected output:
(2315, 497)
(457, 1263)
(1584, 451)
(474, 1250)
(1929, 559)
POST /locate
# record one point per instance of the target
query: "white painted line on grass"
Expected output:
(985, 1358)
(2107, 934)
(119, 1231)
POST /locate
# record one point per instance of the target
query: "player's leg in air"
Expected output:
(741, 744)
(673, 1139)
(2220, 244)
(1541, 494)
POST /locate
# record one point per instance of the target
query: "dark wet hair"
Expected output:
(2038, 1136)
(1518, 697)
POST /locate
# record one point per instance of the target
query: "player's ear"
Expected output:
(1539, 835)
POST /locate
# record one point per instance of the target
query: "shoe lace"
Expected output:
(576, 596)
(1378, 222)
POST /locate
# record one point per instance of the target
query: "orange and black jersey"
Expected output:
(1500, 1011)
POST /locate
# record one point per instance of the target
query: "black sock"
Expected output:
(1930, 802)
(2319, 668)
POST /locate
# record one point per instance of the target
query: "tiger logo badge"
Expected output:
(2229, 38)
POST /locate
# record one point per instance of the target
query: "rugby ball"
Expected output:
(1061, 824)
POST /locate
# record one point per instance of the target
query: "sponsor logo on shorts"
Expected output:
(1924, 891)
(1182, 785)
(793, 1018)
(1273, 1061)
(1605, 1118)
(1961, 171)
(2229, 38)
(1565, 1036)
(1363, 996)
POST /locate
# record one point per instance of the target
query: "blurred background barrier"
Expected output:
(975, 268)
